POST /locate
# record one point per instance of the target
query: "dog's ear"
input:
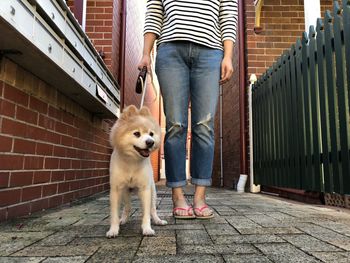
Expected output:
(145, 111)
(128, 112)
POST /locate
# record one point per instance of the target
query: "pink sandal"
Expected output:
(188, 215)
(200, 214)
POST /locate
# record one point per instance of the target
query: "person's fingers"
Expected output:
(227, 72)
(145, 62)
(224, 74)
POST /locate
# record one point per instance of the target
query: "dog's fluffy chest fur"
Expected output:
(130, 174)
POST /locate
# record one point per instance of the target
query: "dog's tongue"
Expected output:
(144, 152)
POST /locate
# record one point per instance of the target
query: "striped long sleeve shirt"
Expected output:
(206, 22)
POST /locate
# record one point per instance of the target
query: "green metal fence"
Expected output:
(301, 124)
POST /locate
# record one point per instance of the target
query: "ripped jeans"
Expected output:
(189, 72)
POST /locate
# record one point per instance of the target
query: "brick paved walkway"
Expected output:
(246, 228)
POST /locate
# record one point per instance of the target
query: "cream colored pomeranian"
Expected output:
(133, 137)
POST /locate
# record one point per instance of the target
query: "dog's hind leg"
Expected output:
(127, 207)
(114, 199)
(154, 214)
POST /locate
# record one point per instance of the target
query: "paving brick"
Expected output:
(220, 229)
(58, 239)
(119, 242)
(246, 258)
(250, 239)
(339, 257)
(180, 258)
(282, 252)
(11, 242)
(269, 230)
(161, 249)
(21, 259)
(57, 251)
(78, 259)
(335, 239)
(308, 243)
(217, 249)
(113, 255)
(193, 237)
(241, 222)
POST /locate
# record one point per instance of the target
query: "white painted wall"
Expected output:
(312, 10)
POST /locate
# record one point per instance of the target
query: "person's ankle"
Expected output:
(199, 202)
(178, 197)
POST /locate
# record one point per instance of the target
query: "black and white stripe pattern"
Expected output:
(206, 22)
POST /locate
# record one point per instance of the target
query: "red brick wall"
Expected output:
(282, 22)
(116, 38)
(52, 151)
(99, 21)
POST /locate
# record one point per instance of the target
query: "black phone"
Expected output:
(141, 80)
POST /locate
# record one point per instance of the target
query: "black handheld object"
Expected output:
(141, 80)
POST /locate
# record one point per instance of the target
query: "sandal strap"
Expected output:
(200, 209)
(182, 208)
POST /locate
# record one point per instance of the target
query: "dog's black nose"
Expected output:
(149, 143)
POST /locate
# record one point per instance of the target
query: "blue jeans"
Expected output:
(188, 72)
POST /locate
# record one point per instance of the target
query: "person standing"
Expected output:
(195, 41)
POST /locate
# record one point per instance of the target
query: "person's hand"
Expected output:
(145, 62)
(226, 70)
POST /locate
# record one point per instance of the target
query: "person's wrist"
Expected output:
(228, 56)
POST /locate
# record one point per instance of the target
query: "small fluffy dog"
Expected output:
(133, 137)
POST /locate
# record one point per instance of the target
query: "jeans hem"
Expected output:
(201, 182)
(176, 184)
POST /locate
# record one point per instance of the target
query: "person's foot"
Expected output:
(200, 208)
(203, 212)
(181, 208)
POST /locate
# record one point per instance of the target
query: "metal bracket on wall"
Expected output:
(258, 6)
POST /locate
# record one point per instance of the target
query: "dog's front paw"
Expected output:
(113, 232)
(147, 231)
(160, 222)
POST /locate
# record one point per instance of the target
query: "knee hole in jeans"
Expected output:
(175, 128)
(205, 122)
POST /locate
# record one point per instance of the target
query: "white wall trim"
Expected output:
(312, 11)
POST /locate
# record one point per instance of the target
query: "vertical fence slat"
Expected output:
(324, 109)
(346, 30)
(282, 86)
(295, 123)
(263, 127)
(343, 99)
(301, 114)
(332, 100)
(280, 122)
(307, 180)
(260, 130)
(288, 137)
(315, 120)
(267, 101)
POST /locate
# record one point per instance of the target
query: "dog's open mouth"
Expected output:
(142, 152)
